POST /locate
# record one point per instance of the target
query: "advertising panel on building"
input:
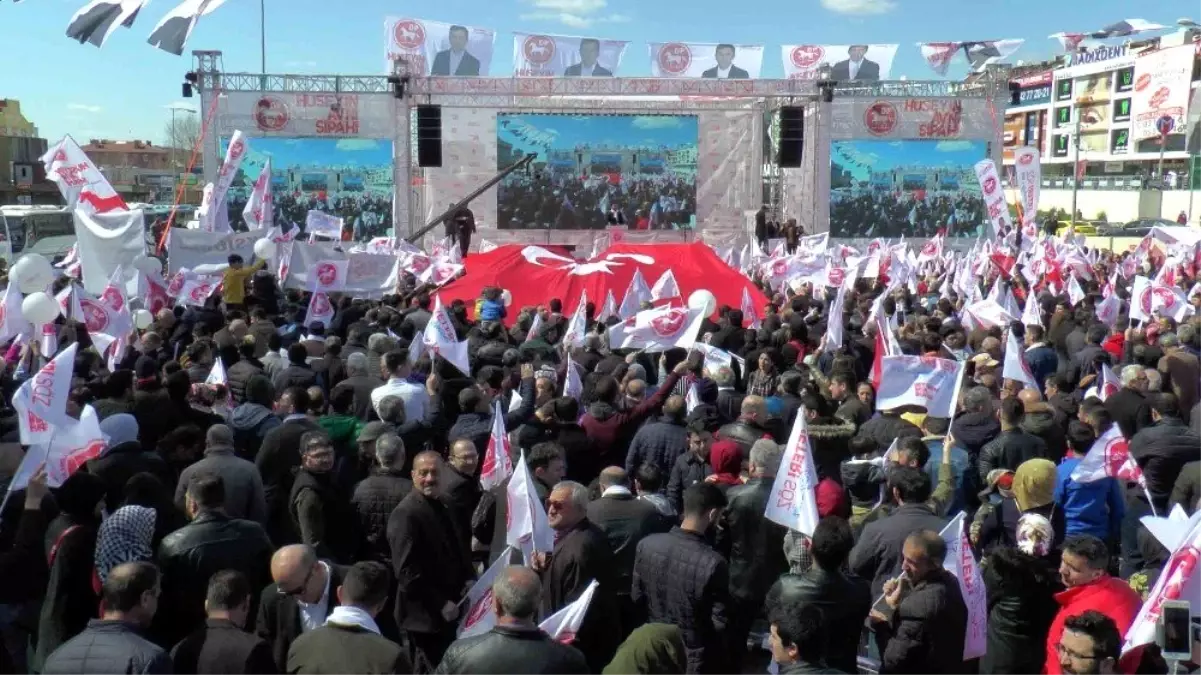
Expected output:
(1161, 89)
(1033, 89)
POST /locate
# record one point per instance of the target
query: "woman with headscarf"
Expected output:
(726, 459)
(652, 649)
(70, 542)
(1033, 492)
(125, 536)
(1021, 584)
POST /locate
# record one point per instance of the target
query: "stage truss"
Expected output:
(596, 95)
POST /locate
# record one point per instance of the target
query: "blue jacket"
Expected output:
(961, 470)
(1093, 508)
(491, 310)
(1043, 362)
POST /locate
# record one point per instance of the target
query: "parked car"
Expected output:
(1082, 227)
(1135, 228)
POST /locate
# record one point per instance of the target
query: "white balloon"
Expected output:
(264, 248)
(33, 273)
(148, 265)
(704, 300)
(39, 308)
(507, 297)
(142, 318)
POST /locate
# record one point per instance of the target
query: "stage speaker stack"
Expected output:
(792, 136)
(429, 135)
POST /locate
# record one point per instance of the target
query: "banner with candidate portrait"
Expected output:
(540, 55)
(1162, 81)
(721, 61)
(847, 63)
(439, 49)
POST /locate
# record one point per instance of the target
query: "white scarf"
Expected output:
(344, 615)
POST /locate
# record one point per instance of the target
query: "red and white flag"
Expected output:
(153, 290)
(498, 464)
(563, 625)
(535, 326)
(49, 339)
(990, 314)
(578, 325)
(74, 445)
(961, 563)
(636, 294)
(41, 402)
(80, 182)
(526, 525)
(321, 310)
(1177, 581)
(748, 310)
(665, 287)
(330, 275)
(1015, 367)
(216, 217)
(478, 615)
(440, 338)
(1032, 313)
(792, 501)
(1108, 386)
(1109, 458)
(1107, 310)
(931, 250)
(657, 330)
(573, 386)
(925, 381)
(260, 208)
(217, 376)
(609, 308)
(1075, 293)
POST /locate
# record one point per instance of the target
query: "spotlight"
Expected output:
(192, 77)
(187, 90)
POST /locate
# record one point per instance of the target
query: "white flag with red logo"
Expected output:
(834, 321)
(12, 320)
(563, 625)
(792, 501)
(657, 330)
(113, 299)
(74, 444)
(1075, 293)
(1015, 367)
(925, 381)
(535, 326)
(321, 310)
(1107, 310)
(748, 310)
(154, 293)
(609, 308)
(80, 182)
(1032, 313)
(260, 208)
(478, 615)
(989, 313)
(441, 339)
(498, 464)
(1107, 385)
(216, 216)
(526, 525)
(578, 325)
(573, 386)
(1109, 458)
(931, 250)
(636, 294)
(961, 563)
(665, 287)
(1177, 581)
(217, 375)
(41, 401)
(195, 290)
(330, 275)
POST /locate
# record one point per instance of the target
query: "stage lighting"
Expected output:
(187, 90)
(1015, 93)
(399, 83)
(826, 88)
(192, 77)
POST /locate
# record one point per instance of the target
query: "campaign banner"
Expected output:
(305, 114)
(565, 56)
(106, 241)
(368, 275)
(925, 381)
(189, 249)
(1027, 173)
(437, 48)
(1161, 89)
(994, 195)
(857, 117)
(721, 61)
(848, 63)
(962, 564)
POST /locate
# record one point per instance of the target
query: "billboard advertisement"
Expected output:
(349, 178)
(306, 114)
(848, 63)
(440, 49)
(1033, 89)
(643, 166)
(1093, 89)
(1161, 89)
(911, 118)
(914, 188)
(565, 56)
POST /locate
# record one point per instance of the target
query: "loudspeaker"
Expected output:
(429, 135)
(792, 137)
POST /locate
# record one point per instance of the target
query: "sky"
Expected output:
(570, 131)
(886, 155)
(124, 90)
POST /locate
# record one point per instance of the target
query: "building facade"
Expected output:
(22, 177)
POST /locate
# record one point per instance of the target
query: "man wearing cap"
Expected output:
(856, 67)
(244, 497)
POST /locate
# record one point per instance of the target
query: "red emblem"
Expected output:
(77, 459)
(200, 292)
(880, 118)
(1109, 389)
(1025, 158)
(940, 53)
(1159, 98)
(990, 185)
(806, 56)
(36, 424)
(95, 316)
(175, 285)
(419, 263)
(566, 637)
(538, 49)
(327, 274)
(321, 305)
(669, 323)
(271, 113)
(479, 610)
(674, 58)
(112, 297)
(835, 276)
(409, 34)
(930, 249)
(1142, 82)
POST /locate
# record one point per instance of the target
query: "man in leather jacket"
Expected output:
(750, 425)
(515, 644)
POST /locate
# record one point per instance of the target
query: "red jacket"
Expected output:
(607, 433)
(1110, 596)
(1114, 344)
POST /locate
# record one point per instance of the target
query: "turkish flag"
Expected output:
(535, 274)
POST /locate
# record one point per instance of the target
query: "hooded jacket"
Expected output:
(250, 423)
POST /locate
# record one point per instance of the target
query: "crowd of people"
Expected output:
(364, 215)
(885, 214)
(552, 201)
(322, 511)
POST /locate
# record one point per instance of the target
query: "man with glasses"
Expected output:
(1090, 645)
(298, 601)
(319, 506)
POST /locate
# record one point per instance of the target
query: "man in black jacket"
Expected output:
(877, 554)
(297, 373)
(223, 645)
(350, 640)
(210, 543)
(318, 506)
(515, 644)
(929, 621)
(750, 426)
(278, 459)
(844, 599)
(377, 495)
(361, 383)
(662, 441)
(246, 367)
(475, 422)
(1128, 406)
(679, 579)
(625, 520)
(461, 489)
(1013, 446)
(301, 597)
(125, 457)
(799, 640)
(1162, 449)
(432, 569)
(691, 467)
(754, 544)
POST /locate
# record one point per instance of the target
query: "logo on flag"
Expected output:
(36, 424)
(327, 274)
(271, 114)
(538, 49)
(669, 323)
(807, 56)
(836, 276)
(95, 316)
(112, 297)
(1117, 460)
(409, 34)
(478, 610)
(880, 118)
(321, 304)
(674, 58)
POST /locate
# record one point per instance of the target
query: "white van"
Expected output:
(48, 230)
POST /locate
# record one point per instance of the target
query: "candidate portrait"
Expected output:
(456, 60)
(857, 67)
(725, 68)
(588, 67)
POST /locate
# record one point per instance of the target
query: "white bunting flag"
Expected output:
(497, 464)
(792, 501)
(97, 20)
(657, 330)
(260, 208)
(173, 31)
(609, 308)
(441, 339)
(665, 287)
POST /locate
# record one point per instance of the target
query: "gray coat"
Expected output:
(243, 485)
(107, 647)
